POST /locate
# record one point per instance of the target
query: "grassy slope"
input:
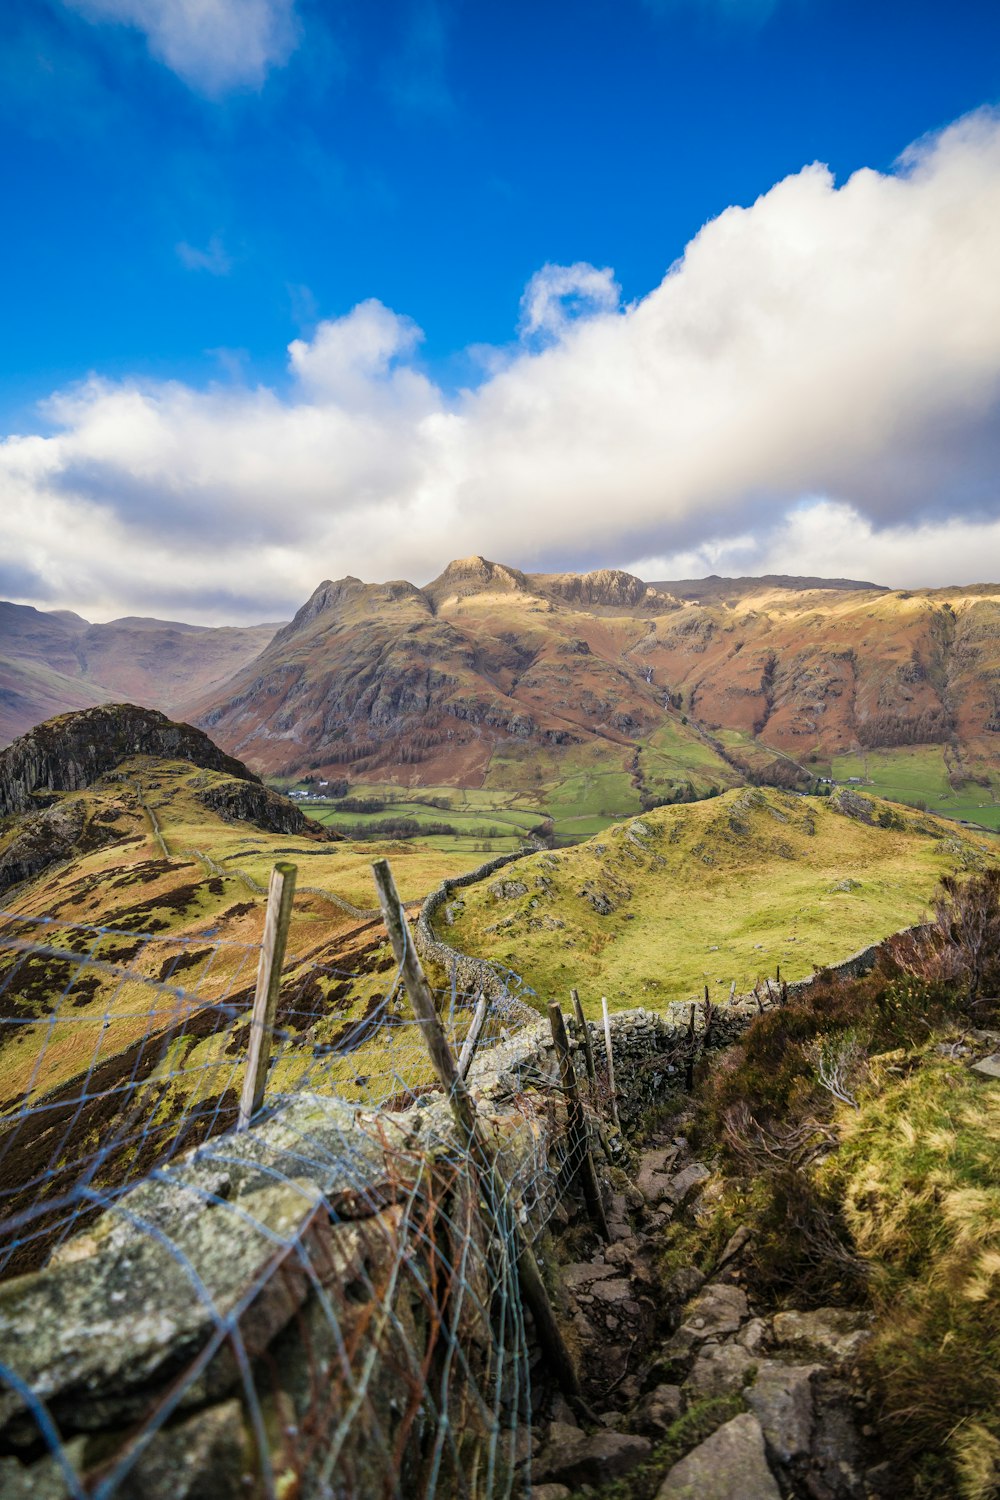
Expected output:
(708, 893)
(582, 788)
(920, 773)
(129, 885)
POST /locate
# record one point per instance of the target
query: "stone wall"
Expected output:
(471, 974)
(257, 1319)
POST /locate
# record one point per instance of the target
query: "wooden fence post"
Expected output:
(611, 1061)
(265, 1001)
(588, 1050)
(464, 1111)
(471, 1042)
(689, 1071)
(577, 1122)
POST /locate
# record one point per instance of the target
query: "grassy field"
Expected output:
(583, 789)
(919, 773)
(708, 893)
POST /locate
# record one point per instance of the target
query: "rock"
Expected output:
(730, 1465)
(835, 1333)
(209, 1454)
(43, 1480)
(753, 1336)
(988, 1067)
(574, 1458)
(716, 1311)
(623, 1253)
(684, 1183)
(616, 1291)
(550, 1492)
(738, 1240)
(684, 1283)
(659, 1410)
(581, 1275)
(720, 1370)
(653, 1178)
(781, 1398)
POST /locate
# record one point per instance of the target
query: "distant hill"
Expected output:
(54, 661)
(728, 889)
(41, 821)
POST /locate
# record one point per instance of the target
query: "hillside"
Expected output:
(495, 680)
(154, 878)
(768, 680)
(724, 890)
(51, 662)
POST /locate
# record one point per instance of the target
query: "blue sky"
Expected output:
(181, 206)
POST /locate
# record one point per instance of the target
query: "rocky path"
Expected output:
(698, 1393)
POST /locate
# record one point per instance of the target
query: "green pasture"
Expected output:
(919, 773)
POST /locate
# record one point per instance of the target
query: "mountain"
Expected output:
(51, 662)
(493, 677)
(439, 684)
(434, 685)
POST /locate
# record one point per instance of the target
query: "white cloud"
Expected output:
(839, 345)
(830, 539)
(213, 258)
(214, 45)
(556, 295)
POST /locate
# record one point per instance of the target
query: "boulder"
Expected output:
(781, 1398)
(684, 1283)
(653, 1178)
(720, 1370)
(580, 1275)
(575, 1458)
(833, 1333)
(716, 1311)
(659, 1410)
(683, 1184)
(730, 1465)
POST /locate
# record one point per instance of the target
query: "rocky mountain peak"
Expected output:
(607, 587)
(477, 575)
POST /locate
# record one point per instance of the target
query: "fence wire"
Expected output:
(321, 1306)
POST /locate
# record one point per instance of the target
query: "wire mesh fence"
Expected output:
(324, 1305)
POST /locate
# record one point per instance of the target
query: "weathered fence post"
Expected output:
(588, 1050)
(471, 1042)
(611, 1061)
(689, 1070)
(265, 1001)
(577, 1122)
(464, 1111)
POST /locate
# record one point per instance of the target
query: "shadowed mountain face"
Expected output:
(54, 662)
(428, 684)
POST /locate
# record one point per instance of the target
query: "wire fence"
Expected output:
(327, 1304)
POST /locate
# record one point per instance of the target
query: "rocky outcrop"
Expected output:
(249, 802)
(44, 838)
(70, 752)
